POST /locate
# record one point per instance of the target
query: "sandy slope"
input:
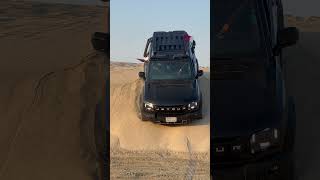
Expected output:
(158, 165)
(133, 134)
(144, 150)
(49, 138)
(50, 83)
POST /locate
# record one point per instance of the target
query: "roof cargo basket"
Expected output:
(172, 42)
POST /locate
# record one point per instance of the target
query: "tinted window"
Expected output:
(170, 70)
(242, 36)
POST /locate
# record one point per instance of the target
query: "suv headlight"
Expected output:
(264, 140)
(193, 105)
(148, 106)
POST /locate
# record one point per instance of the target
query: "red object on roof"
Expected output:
(186, 37)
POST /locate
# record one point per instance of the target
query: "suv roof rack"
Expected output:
(169, 56)
(171, 42)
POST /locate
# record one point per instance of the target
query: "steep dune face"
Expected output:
(144, 150)
(129, 132)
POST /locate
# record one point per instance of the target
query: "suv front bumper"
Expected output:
(185, 118)
(279, 166)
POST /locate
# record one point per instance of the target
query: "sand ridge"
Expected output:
(133, 134)
(52, 133)
(144, 150)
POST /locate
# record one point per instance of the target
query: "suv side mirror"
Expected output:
(142, 75)
(288, 37)
(200, 73)
(100, 41)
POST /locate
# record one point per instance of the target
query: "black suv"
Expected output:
(253, 126)
(171, 92)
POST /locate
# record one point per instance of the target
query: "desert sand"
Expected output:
(133, 134)
(173, 149)
(51, 80)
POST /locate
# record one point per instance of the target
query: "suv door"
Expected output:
(274, 60)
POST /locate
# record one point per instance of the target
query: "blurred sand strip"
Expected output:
(51, 80)
(305, 24)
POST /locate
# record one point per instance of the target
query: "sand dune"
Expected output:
(49, 136)
(51, 81)
(141, 143)
(133, 134)
(39, 38)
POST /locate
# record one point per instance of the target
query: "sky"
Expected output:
(302, 7)
(133, 22)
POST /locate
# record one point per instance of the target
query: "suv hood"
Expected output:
(241, 108)
(171, 93)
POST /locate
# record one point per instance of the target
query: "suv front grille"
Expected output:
(171, 109)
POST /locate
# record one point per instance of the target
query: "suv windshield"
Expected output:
(236, 28)
(170, 70)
